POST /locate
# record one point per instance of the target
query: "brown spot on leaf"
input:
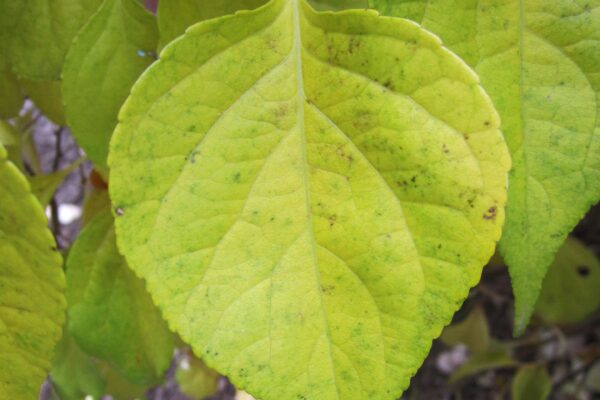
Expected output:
(583, 270)
(327, 289)
(491, 213)
(332, 219)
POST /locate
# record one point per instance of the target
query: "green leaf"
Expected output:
(337, 5)
(44, 186)
(96, 201)
(31, 288)
(531, 382)
(175, 16)
(472, 332)
(539, 61)
(47, 97)
(111, 316)
(11, 99)
(195, 379)
(120, 388)
(37, 33)
(106, 58)
(592, 379)
(74, 374)
(299, 192)
(495, 357)
(570, 291)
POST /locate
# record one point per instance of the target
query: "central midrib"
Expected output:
(301, 99)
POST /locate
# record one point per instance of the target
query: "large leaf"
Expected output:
(540, 62)
(175, 16)
(309, 196)
(31, 288)
(38, 33)
(106, 58)
(111, 315)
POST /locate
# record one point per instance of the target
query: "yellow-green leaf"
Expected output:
(309, 196)
(31, 288)
(111, 316)
(540, 62)
(571, 288)
(8, 135)
(38, 33)
(175, 16)
(106, 58)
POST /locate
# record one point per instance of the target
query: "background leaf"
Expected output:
(47, 97)
(307, 219)
(44, 186)
(31, 288)
(36, 34)
(571, 289)
(106, 58)
(74, 374)
(195, 379)
(472, 332)
(111, 316)
(532, 382)
(496, 356)
(175, 16)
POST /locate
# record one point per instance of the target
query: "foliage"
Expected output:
(106, 58)
(110, 314)
(270, 178)
(538, 60)
(32, 283)
(303, 191)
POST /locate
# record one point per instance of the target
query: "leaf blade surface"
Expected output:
(106, 58)
(538, 60)
(111, 315)
(31, 300)
(285, 195)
